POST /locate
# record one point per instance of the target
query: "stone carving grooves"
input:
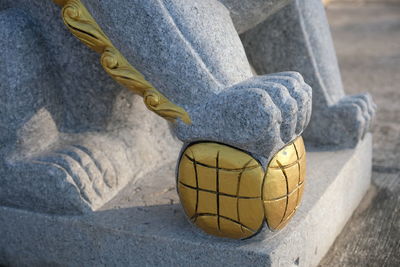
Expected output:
(92, 172)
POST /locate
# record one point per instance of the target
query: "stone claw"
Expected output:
(354, 118)
(346, 122)
(293, 97)
(75, 179)
(41, 183)
(90, 175)
(259, 115)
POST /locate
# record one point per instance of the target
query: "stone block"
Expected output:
(144, 224)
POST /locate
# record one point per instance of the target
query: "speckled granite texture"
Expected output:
(145, 225)
(298, 38)
(73, 133)
(72, 139)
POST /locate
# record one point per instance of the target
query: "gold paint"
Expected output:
(188, 199)
(209, 184)
(275, 211)
(235, 230)
(283, 185)
(235, 155)
(225, 192)
(227, 196)
(227, 207)
(60, 2)
(226, 185)
(274, 184)
(206, 204)
(207, 224)
(187, 172)
(82, 25)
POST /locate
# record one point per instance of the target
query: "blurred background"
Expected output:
(366, 35)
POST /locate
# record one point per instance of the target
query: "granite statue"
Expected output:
(72, 138)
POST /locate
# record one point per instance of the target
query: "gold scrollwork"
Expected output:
(83, 26)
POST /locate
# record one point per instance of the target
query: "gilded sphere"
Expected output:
(225, 191)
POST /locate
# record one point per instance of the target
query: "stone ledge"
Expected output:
(144, 224)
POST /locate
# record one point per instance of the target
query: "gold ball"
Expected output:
(220, 190)
(284, 184)
(225, 191)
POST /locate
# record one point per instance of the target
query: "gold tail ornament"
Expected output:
(83, 26)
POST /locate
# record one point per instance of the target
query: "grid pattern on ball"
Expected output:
(297, 190)
(217, 192)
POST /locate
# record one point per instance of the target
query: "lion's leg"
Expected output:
(38, 169)
(298, 38)
(71, 138)
(191, 52)
(26, 76)
(26, 113)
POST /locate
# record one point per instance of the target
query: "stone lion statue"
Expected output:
(72, 138)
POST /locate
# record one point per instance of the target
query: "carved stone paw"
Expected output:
(259, 115)
(355, 115)
(90, 170)
(74, 179)
(346, 122)
(44, 187)
(291, 95)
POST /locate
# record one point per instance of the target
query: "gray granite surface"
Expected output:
(73, 138)
(248, 14)
(200, 64)
(74, 143)
(145, 226)
(298, 38)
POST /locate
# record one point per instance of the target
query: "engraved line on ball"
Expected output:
(238, 190)
(224, 217)
(217, 189)
(224, 169)
(287, 189)
(282, 197)
(286, 166)
(299, 178)
(197, 186)
(214, 192)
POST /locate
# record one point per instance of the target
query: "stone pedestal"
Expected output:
(144, 224)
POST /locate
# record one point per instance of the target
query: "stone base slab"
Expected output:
(144, 224)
